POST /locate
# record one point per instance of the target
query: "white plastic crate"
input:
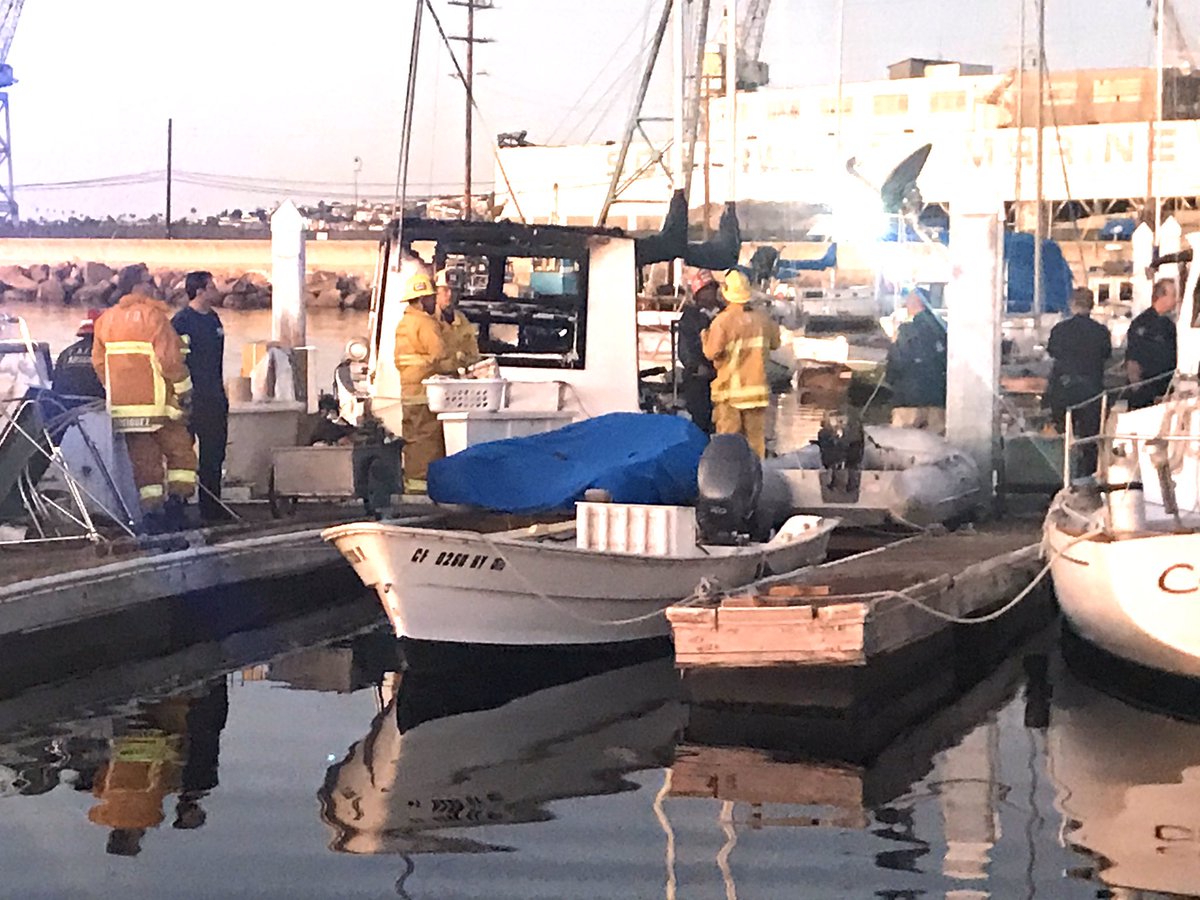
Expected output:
(465, 394)
(639, 529)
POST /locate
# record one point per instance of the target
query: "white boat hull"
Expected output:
(1137, 598)
(464, 587)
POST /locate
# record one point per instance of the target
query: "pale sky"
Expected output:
(293, 91)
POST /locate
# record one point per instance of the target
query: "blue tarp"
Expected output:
(1056, 274)
(637, 457)
(1118, 229)
(790, 268)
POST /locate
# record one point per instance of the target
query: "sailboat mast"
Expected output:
(1040, 231)
(731, 95)
(1158, 114)
(1020, 151)
(677, 113)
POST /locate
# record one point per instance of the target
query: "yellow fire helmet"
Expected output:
(736, 288)
(417, 286)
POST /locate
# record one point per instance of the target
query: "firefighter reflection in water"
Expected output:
(138, 357)
(172, 747)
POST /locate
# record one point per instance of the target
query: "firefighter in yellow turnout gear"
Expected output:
(738, 342)
(420, 353)
(138, 357)
(458, 334)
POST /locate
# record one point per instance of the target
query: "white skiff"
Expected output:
(538, 586)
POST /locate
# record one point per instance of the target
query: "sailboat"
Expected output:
(1124, 556)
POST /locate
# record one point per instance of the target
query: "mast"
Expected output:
(1158, 116)
(841, 43)
(1040, 230)
(699, 90)
(677, 112)
(731, 94)
(1020, 152)
(634, 114)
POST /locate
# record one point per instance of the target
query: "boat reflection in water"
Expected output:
(1128, 785)
(455, 750)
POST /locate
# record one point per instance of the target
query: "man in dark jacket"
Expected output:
(1079, 346)
(1151, 351)
(200, 328)
(698, 372)
(916, 368)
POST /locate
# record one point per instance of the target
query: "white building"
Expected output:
(794, 147)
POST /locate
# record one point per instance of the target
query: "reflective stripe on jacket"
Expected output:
(739, 342)
(420, 353)
(139, 358)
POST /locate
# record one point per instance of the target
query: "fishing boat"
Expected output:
(1124, 556)
(584, 582)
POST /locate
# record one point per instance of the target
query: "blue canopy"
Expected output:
(636, 457)
(1057, 280)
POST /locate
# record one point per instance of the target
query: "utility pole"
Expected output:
(471, 41)
(170, 124)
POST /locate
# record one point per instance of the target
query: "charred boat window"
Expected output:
(529, 310)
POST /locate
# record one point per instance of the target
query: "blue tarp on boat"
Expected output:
(637, 457)
(1056, 273)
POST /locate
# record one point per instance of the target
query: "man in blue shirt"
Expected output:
(204, 339)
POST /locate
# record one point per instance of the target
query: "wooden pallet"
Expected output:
(845, 613)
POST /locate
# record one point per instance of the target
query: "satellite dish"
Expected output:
(899, 190)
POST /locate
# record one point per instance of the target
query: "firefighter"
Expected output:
(420, 353)
(698, 373)
(138, 357)
(738, 342)
(75, 380)
(458, 334)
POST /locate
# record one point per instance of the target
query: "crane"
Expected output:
(752, 25)
(752, 72)
(10, 14)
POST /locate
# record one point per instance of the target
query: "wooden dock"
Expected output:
(847, 614)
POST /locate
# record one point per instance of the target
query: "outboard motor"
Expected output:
(730, 482)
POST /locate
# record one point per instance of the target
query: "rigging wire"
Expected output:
(410, 99)
(475, 106)
(603, 69)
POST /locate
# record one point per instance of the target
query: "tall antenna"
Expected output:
(471, 41)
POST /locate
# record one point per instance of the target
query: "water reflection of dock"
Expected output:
(769, 769)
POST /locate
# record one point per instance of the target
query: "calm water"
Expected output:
(323, 773)
(328, 331)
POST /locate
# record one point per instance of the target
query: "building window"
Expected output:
(1062, 93)
(829, 106)
(1116, 90)
(948, 102)
(891, 104)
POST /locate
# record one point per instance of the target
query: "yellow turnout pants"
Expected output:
(423, 440)
(750, 423)
(165, 454)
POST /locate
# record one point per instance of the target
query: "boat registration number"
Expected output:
(458, 560)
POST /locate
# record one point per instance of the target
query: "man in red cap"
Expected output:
(75, 379)
(698, 372)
